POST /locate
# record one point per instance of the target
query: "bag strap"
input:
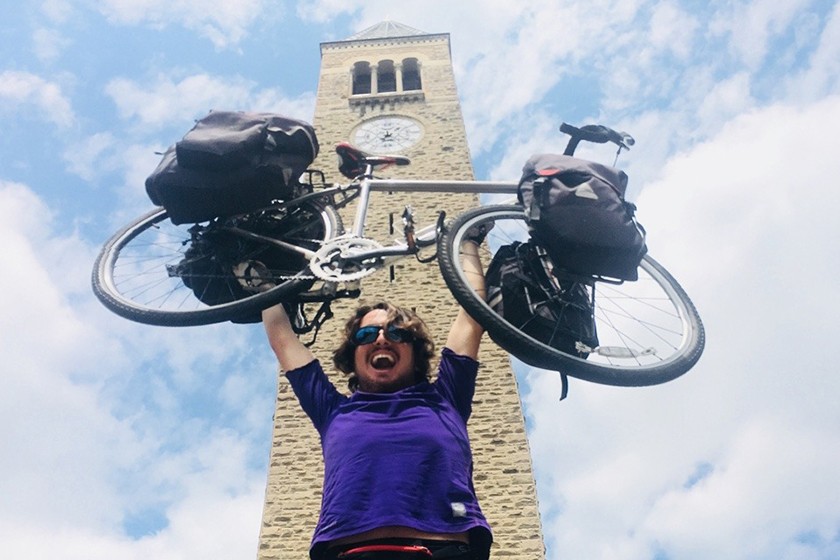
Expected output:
(539, 198)
(524, 261)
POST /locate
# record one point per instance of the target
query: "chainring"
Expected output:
(336, 260)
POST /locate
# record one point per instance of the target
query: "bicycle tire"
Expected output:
(132, 273)
(652, 312)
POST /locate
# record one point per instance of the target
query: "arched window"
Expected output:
(411, 75)
(387, 76)
(361, 78)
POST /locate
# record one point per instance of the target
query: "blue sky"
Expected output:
(127, 441)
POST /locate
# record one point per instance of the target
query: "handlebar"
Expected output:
(597, 133)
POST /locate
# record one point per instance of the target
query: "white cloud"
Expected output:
(210, 522)
(673, 29)
(753, 25)
(102, 156)
(822, 74)
(223, 22)
(774, 483)
(157, 112)
(159, 102)
(84, 446)
(57, 11)
(727, 97)
(323, 10)
(108, 419)
(85, 158)
(49, 43)
(511, 60)
(29, 93)
(52, 423)
(735, 459)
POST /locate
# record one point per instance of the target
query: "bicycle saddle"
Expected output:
(353, 162)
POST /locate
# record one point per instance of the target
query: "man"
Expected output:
(398, 466)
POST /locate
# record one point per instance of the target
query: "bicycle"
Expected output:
(157, 273)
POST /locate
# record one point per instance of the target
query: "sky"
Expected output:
(120, 440)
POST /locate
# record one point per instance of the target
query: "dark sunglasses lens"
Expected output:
(366, 335)
(397, 334)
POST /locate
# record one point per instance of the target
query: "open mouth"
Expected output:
(383, 361)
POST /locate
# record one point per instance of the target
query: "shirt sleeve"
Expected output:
(456, 381)
(317, 396)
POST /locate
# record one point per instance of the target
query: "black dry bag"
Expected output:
(232, 162)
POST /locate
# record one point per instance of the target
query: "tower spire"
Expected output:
(385, 30)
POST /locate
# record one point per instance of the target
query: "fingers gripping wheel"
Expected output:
(478, 233)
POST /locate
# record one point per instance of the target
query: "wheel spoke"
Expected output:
(156, 272)
(648, 330)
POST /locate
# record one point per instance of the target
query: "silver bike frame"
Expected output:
(401, 185)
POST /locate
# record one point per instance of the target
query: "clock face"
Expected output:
(384, 135)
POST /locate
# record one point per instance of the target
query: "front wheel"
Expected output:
(159, 273)
(648, 331)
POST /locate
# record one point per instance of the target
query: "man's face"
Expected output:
(383, 366)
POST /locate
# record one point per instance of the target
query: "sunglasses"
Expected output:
(369, 334)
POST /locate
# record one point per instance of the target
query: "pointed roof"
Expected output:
(385, 30)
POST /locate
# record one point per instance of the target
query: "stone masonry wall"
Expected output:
(503, 475)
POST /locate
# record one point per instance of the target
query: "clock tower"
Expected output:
(391, 89)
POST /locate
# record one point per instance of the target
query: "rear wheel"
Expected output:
(648, 330)
(158, 273)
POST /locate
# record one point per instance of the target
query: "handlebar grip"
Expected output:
(566, 128)
(596, 133)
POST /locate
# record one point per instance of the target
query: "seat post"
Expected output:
(364, 199)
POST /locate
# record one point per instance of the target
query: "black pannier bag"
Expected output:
(207, 267)
(577, 212)
(558, 314)
(232, 162)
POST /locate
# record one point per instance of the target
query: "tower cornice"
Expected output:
(384, 41)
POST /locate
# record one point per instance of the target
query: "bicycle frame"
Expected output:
(367, 185)
(153, 271)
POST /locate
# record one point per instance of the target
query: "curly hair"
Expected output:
(422, 346)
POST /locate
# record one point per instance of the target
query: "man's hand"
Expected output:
(476, 234)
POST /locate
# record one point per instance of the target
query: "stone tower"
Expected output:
(391, 89)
